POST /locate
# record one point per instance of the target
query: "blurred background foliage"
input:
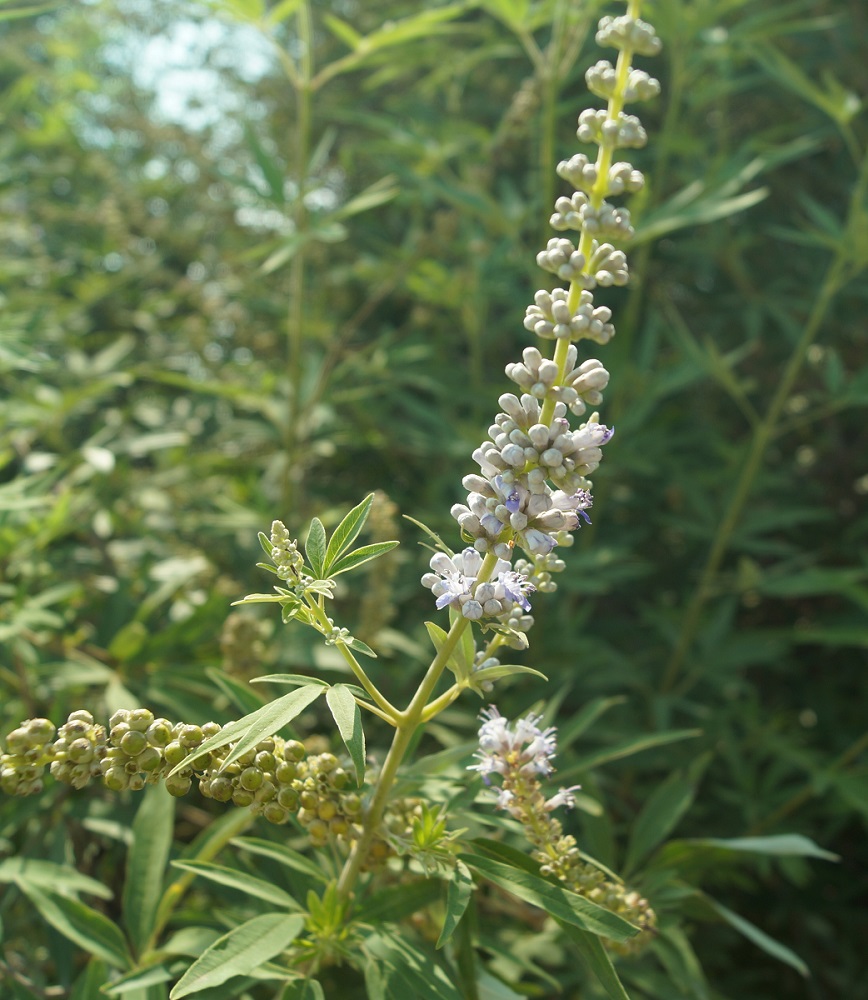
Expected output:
(257, 262)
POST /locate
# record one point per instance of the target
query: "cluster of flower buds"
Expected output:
(519, 755)
(532, 489)
(276, 779)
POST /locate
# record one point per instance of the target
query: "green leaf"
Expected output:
(88, 984)
(315, 547)
(348, 718)
(400, 970)
(347, 532)
(260, 889)
(580, 723)
(596, 958)
(759, 938)
(503, 670)
(283, 855)
(456, 664)
(49, 875)
(141, 979)
(239, 694)
(360, 556)
(400, 901)
(659, 816)
(457, 897)
(340, 29)
(146, 863)
(257, 726)
(629, 747)
(782, 845)
(363, 648)
(290, 680)
(240, 952)
(85, 927)
(303, 989)
(559, 903)
(281, 11)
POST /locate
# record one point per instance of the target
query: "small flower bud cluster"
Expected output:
(630, 33)
(284, 552)
(581, 387)
(276, 779)
(607, 265)
(622, 132)
(519, 755)
(578, 213)
(453, 582)
(551, 318)
(621, 177)
(79, 750)
(27, 753)
(602, 80)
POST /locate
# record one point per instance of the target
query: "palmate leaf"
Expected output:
(243, 950)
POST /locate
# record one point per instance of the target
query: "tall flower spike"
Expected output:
(532, 489)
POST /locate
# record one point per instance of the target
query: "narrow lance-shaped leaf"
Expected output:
(240, 952)
(258, 888)
(597, 959)
(346, 532)
(257, 726)
(315, 547)
(146, 863)
(360, 556)
(457, 897)
(346, 714)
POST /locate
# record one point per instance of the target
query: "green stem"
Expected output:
(408, 722)
(293, 433)
(762, 436)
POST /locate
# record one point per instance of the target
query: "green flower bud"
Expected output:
(178, 785)
(133, 742)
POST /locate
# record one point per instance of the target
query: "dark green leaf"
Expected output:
(400, 970)
(146, 863)
(243, 950)
(283, 855)
(759, 938)
(457, 897)
(258, 888)
(659, 816)
(596, 958)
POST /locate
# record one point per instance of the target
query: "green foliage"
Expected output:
(271, 314)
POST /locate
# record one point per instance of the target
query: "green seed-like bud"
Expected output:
(266, 791)
(178, 785)
(293, 750)
(121, 716)
(159, 732)
(339, 827)
(251, 779)
(309, 800)
(141, 719)
(80, 715)
(115, 778)
(327, 810)
(211, 729)
(286, 772)
(189, 736)
(288, 798)
(246, 759)
(274, 813)
(81, 751)
(220, 788)
(137, 783)
(326, 763)
(150, 759)
(134, 742)
(118, 732)
(241, 797)
(351, 804)
(339, 778)
(265, 760)
(318, 833)
(174, 753)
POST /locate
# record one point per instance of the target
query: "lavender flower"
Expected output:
(454, 583)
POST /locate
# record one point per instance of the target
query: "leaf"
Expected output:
(257, 726)
(400, 971)
(782, 845)
(628, 747)
(315, 547)
(146, 863)
(283, 855)
(88, 984)
(659, 816)
(457, 897)
(244, 949)
(141, 979)
(239, 694)
(258, 888)
(85, 927)
(559, 903)
(400, 901)
(348, 718)
(290, 680)
(49, 875)
(759, 938)
(303, 989)
(361, 555)
(455, 663)
(364, 649)
(347, 532)
(503, 670)
(340, 29)
(596, 958)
